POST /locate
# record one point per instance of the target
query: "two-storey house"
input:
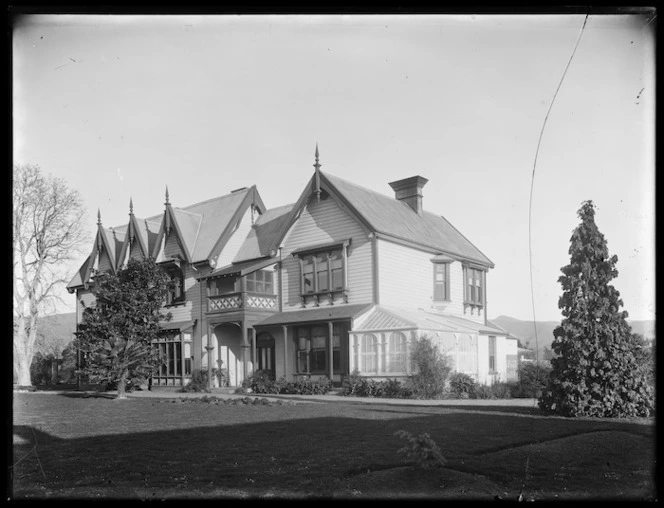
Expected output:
(342, 280)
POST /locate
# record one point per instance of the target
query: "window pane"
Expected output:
(318, 360)
(318, 342)
(368, 357)
(308, 275)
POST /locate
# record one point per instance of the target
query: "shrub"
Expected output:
(310, 387)
(261, 382)
(533, 378)
(358, 386)
(431, 370)
(483, 392)
(198, 383)
(462, 386)
(501, 390)
(422, 450)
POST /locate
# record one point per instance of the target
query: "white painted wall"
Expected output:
(320, 223)
(405, 277)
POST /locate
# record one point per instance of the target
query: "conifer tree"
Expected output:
(595, 372)
(116, 332)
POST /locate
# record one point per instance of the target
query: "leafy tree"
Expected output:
(116, 333)
(48, 231)
(595, 371)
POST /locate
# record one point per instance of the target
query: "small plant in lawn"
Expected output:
(420, 450)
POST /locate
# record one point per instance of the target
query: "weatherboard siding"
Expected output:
(239, 235)
(105, 263)
(321, 223)
(136, 252)
(85, 298)
(172, 246)
(405, 276)
(405, 279)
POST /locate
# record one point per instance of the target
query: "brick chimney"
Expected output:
(409, 190)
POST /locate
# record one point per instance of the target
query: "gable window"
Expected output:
(441, 285)
(474, 286)
(260, 281)
(312, 349)
(323, 270)
(176, 291)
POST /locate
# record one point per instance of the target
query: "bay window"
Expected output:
(323, 270)
(260, 281)
(474, 286)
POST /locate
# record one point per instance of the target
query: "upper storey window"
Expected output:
(260, 281)
(474, 286)
(176, 292)
(441, 282)
(323, 270)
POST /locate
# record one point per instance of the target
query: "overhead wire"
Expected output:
(530, 216)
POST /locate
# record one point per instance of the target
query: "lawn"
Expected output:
(67, 445)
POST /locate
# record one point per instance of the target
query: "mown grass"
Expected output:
(151, 448)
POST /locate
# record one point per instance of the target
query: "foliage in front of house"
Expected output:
(261, 382)
(116, 334)
(431, 369)
(595, 371)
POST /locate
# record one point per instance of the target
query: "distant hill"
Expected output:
(525, 332)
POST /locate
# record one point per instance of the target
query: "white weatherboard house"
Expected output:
(342, 280)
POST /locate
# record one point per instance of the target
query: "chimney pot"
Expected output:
(409, 190)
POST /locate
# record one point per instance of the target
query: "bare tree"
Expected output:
(48, 233)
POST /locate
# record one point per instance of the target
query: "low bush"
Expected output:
(532, 379)
(198, 383)
(358, 386)
(462, 386)
(262, 382)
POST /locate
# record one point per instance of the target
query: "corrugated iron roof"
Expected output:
(389, 318)
(395, 218)
(327, 313)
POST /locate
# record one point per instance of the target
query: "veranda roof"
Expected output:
(327, 313)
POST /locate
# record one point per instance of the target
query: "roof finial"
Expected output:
(317, 168)
(98, 217)
(166, 203)
(131, 206)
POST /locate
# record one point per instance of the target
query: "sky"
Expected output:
(122, 106)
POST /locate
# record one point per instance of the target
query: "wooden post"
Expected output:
(181, 360)
(254, 355)
(285, 330)
(330, 349)
(209, 349)
(243, 348)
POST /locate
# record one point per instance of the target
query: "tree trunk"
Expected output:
(22, 365)
(121, 386)
(21, 358)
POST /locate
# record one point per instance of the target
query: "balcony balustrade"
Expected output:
(235, 301)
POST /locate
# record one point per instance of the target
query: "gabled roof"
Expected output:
(204, 228)
(395, 218)
(264, 234)
(387, 216)
(80, 276)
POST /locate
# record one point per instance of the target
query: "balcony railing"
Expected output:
(235, 301)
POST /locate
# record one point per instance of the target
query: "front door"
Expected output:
(265, 353)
